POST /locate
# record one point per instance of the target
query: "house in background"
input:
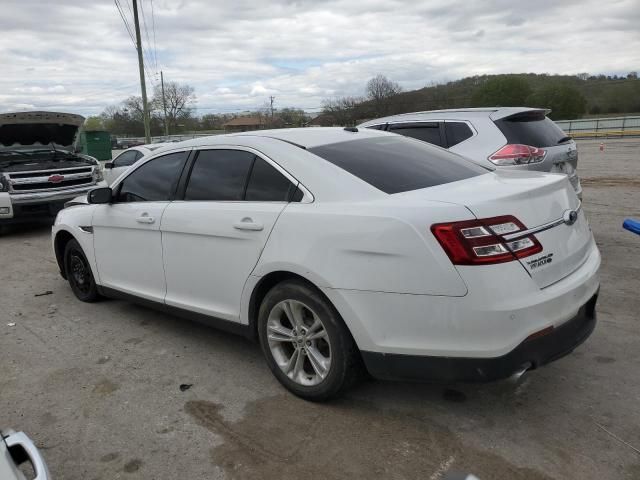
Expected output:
(245, 124)
(322, 120)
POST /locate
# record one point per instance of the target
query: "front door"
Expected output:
(213, 238)
(126, 233)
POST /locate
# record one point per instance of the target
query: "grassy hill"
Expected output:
(603, 95)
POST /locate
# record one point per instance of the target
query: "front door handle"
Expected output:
(248, 224)
(145, 218)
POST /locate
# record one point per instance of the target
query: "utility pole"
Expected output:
(164, 105)
(271, 99)
(145, 106)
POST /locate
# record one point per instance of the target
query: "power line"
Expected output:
(146, 32)
(128, 27)
(126, 24)
(153, 25)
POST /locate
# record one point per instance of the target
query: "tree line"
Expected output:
(568, 97)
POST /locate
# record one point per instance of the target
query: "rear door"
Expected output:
(533, 128)
(213, 238)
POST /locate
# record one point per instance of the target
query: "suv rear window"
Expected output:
(396, 164)
(531, 128)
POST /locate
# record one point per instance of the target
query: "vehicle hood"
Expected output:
(42, 162)
(39, 128)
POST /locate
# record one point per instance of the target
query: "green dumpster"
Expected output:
(96, 143)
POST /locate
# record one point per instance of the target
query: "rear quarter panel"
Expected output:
(377, 246)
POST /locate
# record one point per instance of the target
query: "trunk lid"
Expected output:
(537, 200)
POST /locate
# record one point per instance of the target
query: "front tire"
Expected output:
(305, 342)
(79, 273)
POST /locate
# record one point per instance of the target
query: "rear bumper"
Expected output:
(532, 353)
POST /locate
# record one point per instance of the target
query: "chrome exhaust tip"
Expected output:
(518, 374)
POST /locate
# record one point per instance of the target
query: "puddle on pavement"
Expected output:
(284, 437)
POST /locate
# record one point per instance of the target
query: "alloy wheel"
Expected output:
(299, 342)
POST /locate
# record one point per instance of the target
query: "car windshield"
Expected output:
(396, 164)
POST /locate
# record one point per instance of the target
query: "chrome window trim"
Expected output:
(307, 196)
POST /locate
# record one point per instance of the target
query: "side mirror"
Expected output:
(100, 195)
(108, 165)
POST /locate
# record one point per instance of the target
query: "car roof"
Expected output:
(495, 113)
(302, 137)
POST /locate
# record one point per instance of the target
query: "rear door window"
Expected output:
(219, 175)
(531, 128)
(266, 184)
(394, 164)
(426, 131)
(457, 132)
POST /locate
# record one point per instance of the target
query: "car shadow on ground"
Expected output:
(26, 229)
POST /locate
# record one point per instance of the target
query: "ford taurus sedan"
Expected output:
(343, 248)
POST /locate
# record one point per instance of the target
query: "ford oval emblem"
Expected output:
(570, 217)
(56, 178)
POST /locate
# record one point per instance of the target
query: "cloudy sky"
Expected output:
(77, 56)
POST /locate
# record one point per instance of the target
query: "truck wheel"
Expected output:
(79, 273)
(305, 342)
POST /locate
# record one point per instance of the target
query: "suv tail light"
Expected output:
(481, 242)
(517, 154)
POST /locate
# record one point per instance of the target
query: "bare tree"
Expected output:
(180, 100)
(344, 110)
(379, 91)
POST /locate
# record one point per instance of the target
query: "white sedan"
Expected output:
(342, 248)
(125, 159)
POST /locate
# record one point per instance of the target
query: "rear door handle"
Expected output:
(248, 224)
(145, 218)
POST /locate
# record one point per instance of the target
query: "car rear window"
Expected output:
(397, 164)
(531, 128)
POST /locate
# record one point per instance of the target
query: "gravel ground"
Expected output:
(98, 386)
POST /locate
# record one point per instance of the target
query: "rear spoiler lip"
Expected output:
(504, 113)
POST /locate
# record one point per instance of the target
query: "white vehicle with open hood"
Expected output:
(342, 247)
(39, 167)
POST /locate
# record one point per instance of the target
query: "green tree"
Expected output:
(94, 123)
(565, 101)
(502, 91)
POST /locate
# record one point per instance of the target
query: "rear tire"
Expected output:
(79, 273)
(305, 342)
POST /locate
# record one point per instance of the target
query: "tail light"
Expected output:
(517, 154)
(481, 242)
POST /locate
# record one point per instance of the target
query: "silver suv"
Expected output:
(504, 137)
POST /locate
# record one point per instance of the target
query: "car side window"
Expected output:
(155, 181)
(426, 131)
(139, 155)
(378, 127)
(457, 132)
(126, 159)
(266, 184)
(219, 175)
